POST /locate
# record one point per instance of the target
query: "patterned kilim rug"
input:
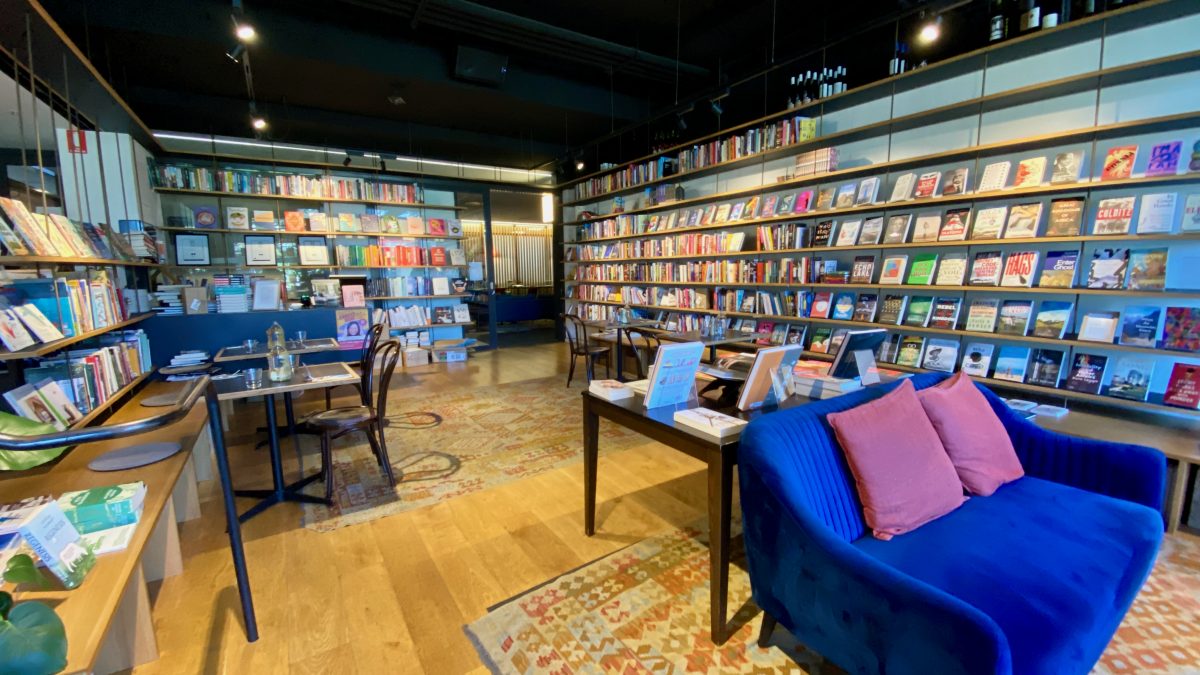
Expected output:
(645, 609)
(478, 438)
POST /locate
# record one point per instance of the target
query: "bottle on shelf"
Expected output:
(1031, 16)
(278, 359)
(998, 20)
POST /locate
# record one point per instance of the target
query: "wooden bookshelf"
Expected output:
(299, 198)
(51, 347)
(37, 260)
(417, 297)
(433, 325)
(900, 288)
(327, 235)
(297, 266)
(112, 400)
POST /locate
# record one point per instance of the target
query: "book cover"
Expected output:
(708, 214)
(1045, 367)
(1113, 216)
(293, 221)
(892, 270)
(868, 191)
(845, 195)
(982, 315)
(989, 222)
(888, 349)
(13, 333)
(1098, 327)
(1023, 221)
(1030, 172)
(1191, 213)
(1011, 363)
(1183, 389)
(910, 350)
(738, 211)
(927, 228)
(843, 307)
(863, 269)
(1014, 317)
(822, 305)
(825, 198)
(369, 222)
(40, 328)
(995, 176)
(1148, 269)
(872, 229)
(204, 217)
(710, 422)
(955, 227)
(101, 508)
(768, 205)
(919, 309)
(722, 214)
(1131, 377)
(1118, 163)
(892, 309)
(237, 218)
(922, 269)
(820, 340)
(848, 232)
(1087, 373)
(1020, 269)
(945, 313)
(823, 233)
(1182, 330)
(952, 270)
(985, 269)
(1139, 325)
(1059, 270)
(1052, 318)
(353, 296)
(1066, 167)
(954, 182)
(977, 359)
(9, 237)
(56, 542)
(1107, 269)
(865, 307)
(1164, 159)
(1156, 215)
(927, 184)
(751, 210)
(940, 354)
(443, 315)
(1066, 218)
(897, 226)
(318, 222)
(263, 219)
(903, 188)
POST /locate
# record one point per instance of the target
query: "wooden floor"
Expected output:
(392, 595)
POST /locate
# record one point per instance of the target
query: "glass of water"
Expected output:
(253, 378)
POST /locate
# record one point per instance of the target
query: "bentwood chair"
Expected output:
(367, 356)
(367, 418)
(577, 338)
(644, 346)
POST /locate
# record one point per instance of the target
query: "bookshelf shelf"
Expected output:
(286, 266)
(112, 400)
(50, 347)
(36, 260)
(327, 235)
(418, 297)
(905, 287)
(298, 198)
(431, 325)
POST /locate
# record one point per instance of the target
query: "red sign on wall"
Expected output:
(76, 141)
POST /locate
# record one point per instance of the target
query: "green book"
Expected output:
(919, 307)
(921, 269)
(100, 508)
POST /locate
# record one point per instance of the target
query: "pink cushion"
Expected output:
(904, 477)
(973, 436)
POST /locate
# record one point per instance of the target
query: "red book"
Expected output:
(1182, 329)
(822, 303)
(437, 226)
(1183, 390)
(1118, 163)
(437, 254)
(409, 256)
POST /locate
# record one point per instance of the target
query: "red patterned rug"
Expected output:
(645, 609)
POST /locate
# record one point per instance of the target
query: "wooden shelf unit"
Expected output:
(327, 235)
(51, 347)
(297, 198)
(116, 397)
(418, 297)
(39, 260)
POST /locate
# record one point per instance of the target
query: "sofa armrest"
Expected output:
(852, 609)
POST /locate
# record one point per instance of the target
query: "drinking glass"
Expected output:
(254, 377)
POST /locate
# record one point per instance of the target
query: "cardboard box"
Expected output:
(195, 300)
(449, 355)
(415, 357)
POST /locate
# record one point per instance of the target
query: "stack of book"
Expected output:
(89, 377)
(62, 307)
(232, 299)
(105, 517)
(142, 239)
(402, 317)
(168, 299)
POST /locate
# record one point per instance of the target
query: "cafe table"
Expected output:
(303, 379)
(615, 340)
(306, 346)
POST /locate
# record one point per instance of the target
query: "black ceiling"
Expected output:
(323, 71)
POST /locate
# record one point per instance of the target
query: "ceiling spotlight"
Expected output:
(930, 31)
(258, 123)
(579, 165)
(716, 107)
(245, 32)
(680, 122)
(235, 54)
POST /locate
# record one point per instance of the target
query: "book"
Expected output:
(1183, 389)
(13, 333)
(845, 196)
(865, 307)
(927, 228)
(848, 232)
(1098, 327)
(922, 269)
(1118, 162)
(989, 222)
(863, 270)
(1030, 172)
(1156, 214)
(1087, 373)
(1011, 363)
(898, 225)
(1015, 316)
(1107, 269)
(977, 359)
(263, 219)
(768, 206)
(892, 270)
(1059, 270)
(824, 198)
(1020, 269)
(843, 307)
(317, 221)
(722, 213)
(945, 313)
(868, 191)
(872, 229)
(1113, 216)
(1139, 325)
(994, 176)
(1066, 167)
(952, 270)
(1131, 377)
(1191, 214)
(822, 305)
(902, 190)
(369, 222)
(204, 217)
(710, 422)
(954, 182)
(786, 203)
(892, 309)
(1164, 159)
(1052, 318)
(919, 309)
(955, 227)
(13, 245)
(1045, 367)
(888, 349)
(909, 353)
(940, 354)
(57, 544)
(982, 315)
(985, 269)
(927, 184)
(1023, 221)
(102, 508)
(293, 221)
(27, 402)
(1066, 218)
(820, 340)
(38, 325)
(823, 233)
(1148, 269)
(1182, 329)
(237, 218)
(353, 295)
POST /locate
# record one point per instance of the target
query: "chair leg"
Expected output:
(383, 454)
(764, 631)
(591, 362)
(327, 464)
(571, 371)
(373, 442)
(328, 399)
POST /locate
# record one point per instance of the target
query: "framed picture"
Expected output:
(260, 250)
(313, 250)
(191, 249)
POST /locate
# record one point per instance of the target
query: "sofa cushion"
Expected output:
(1054, 566)
(903, 475)
(975, 439)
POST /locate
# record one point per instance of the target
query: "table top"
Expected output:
(636, 323)
(320, 376)
(730, 337)
(310, 346)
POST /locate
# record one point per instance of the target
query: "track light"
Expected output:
(579, 165)
(680, 122)
(235, 53)
(382, 165)
(716, 107)
(245, 32)
(258, 123)
(930, 31)
(346, 162)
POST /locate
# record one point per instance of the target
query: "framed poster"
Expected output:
(191, 249)
(313, 250)
(260, 250)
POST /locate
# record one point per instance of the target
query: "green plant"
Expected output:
(22, 570)
(33, 640)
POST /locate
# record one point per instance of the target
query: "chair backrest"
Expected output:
(386, 356)
(369, 344)
(649, 343)
(576, 332)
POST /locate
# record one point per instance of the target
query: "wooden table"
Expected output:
(615, 340)
(308, 377)
(240, 353)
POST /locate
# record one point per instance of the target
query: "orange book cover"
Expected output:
(437, 256)
(293, 221)
(1118, 163)
(415, 225)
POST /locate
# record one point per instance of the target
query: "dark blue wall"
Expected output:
(211, 332)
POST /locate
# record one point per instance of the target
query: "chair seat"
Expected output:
(336, 419)
(1054, 566)
(593, 349)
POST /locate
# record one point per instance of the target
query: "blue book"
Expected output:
(41, 294)
(1059, 271)
(1011, 363)
(843, 307)
(1139, 325)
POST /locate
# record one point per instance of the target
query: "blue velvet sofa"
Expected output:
(1032, 580)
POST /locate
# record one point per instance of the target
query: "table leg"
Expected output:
(591, 453)
(290, 413)
(1177, 496)
(618, 357)
(280, 493)
(720, 498)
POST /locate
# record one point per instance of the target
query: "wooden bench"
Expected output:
(107, 618)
